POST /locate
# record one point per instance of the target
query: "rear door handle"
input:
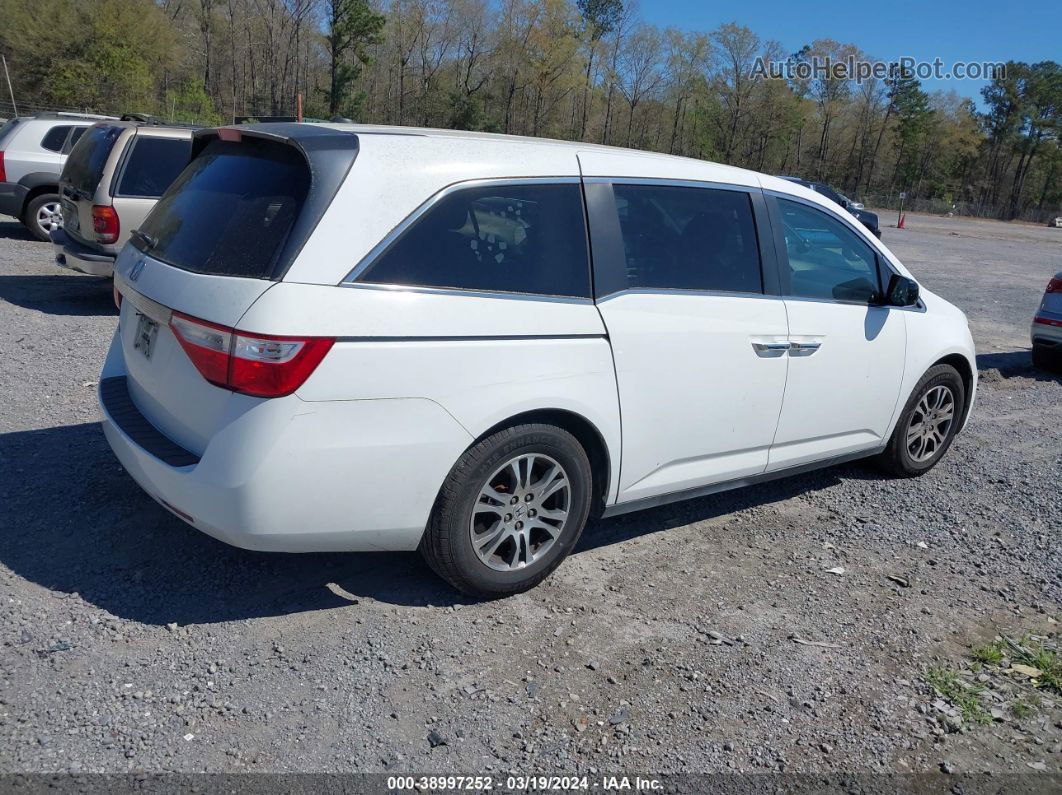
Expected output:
(803, 348)
(770, 349)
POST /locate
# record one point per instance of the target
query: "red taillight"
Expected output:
(1055, 285)
(3, 171)
(105, 223)
(1047, 321)
(254, 364)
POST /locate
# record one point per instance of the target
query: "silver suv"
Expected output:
(112, 179)
(32, 152)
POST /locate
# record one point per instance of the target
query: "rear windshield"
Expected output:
(153, 164)
(230, 211)
(84, 167)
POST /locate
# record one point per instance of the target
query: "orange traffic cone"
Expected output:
(902, 222)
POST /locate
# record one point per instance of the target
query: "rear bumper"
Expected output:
(69, 253)
(294, 476)
(12, 198)
(1048, 334)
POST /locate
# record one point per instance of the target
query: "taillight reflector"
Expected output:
(1055, 285)
(3, 171)
(105, 223)
(262, 365)
(117, 296)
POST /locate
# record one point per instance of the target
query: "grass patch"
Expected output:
(992, 654)
(1035, 654)
(966, 697)
(1023, 709)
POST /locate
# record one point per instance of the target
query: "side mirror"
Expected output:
(901, 291)
(845, 204)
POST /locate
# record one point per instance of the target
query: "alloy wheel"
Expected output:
(520, 512)
(50, 216)
(930, 423)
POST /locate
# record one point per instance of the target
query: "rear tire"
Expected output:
(42, 215)
(927, 425)
(490, 533)
(1045, 358)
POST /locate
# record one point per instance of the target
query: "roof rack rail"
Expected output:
(154, 121)
(63, 114)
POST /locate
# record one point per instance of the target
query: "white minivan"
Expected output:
(339, 337)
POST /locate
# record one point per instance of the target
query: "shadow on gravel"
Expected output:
(61, 294)
(14, 230)
(654, 520)
(1012, 364)
(74, 522)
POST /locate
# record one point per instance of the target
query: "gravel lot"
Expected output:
(671, 641)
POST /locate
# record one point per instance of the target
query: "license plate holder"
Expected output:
(146, 332)
(70, 217)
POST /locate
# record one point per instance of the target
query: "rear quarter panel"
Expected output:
(482, 358)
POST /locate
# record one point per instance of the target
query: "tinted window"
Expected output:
(54, 138)
(75, 136)
(689, 238)
(826, 258)
(230, 211)
(84, 166)
(509, 238)
(153, 164)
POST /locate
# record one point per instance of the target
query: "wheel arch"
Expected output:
(966, 372)
(37, 183)
(585, 432)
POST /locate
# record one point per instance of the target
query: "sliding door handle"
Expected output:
(770, 349)
(803, 348)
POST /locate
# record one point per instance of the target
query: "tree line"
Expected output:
(589, 70)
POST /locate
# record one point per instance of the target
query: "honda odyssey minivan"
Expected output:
(338, 337)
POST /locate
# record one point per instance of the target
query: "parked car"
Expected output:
(335, 337)
(32, 152)
(110, 182)
(865, 217)
(1047, 327)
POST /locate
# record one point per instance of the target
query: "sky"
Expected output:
(974, 30)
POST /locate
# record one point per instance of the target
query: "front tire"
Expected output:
(927, 425)
(43, 215)
(511, 509)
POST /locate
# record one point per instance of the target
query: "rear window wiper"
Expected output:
(146, 240)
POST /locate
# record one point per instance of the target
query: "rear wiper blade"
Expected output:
(145, 239)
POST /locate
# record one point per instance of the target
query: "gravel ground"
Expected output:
(131, 642)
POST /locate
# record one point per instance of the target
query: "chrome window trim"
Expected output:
(376, 251)
(674, 183)
(470, 293)
(679, 291)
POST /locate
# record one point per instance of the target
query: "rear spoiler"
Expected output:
(329, 155)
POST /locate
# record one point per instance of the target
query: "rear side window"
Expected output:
(499, 238)
(84, 167)
(153, 164)
(75, 136)
(230, 211)
(685, 238)
(827, 260)
(54, 139)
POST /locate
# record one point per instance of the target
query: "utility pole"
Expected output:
(7, 74)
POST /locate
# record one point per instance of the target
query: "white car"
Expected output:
(337, 337)
(1047, 327)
